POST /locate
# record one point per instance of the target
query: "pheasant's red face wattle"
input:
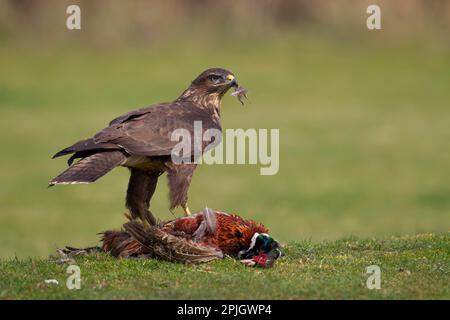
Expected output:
(260, 259)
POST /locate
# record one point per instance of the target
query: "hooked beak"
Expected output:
(232, 81)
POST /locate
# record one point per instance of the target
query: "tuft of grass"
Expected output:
(412, 267)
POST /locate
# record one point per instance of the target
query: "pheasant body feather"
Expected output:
(200, 237)
(231, 235)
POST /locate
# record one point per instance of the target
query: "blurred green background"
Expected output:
(363, 115)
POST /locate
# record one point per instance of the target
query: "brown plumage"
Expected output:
(140, 140)
(201, 237)
(227, 232)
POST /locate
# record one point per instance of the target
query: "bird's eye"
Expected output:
(215, 78)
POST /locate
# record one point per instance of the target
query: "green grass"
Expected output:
(364, 131)
(412, 267)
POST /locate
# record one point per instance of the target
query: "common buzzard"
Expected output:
(141, 140)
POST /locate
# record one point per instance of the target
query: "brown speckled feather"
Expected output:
(147, 132)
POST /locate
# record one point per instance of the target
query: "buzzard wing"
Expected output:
(147, 131)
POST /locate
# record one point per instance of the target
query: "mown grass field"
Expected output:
(412, 267)
(364, 131)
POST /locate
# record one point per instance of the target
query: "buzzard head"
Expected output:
(209, 87)
(215, 80)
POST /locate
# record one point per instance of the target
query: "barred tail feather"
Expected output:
(91, 168)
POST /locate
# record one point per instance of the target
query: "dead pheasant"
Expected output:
(201, 237)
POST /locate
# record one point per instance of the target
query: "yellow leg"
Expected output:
(187, 212)
(145, 223)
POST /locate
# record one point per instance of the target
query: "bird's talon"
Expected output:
(187, 212)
